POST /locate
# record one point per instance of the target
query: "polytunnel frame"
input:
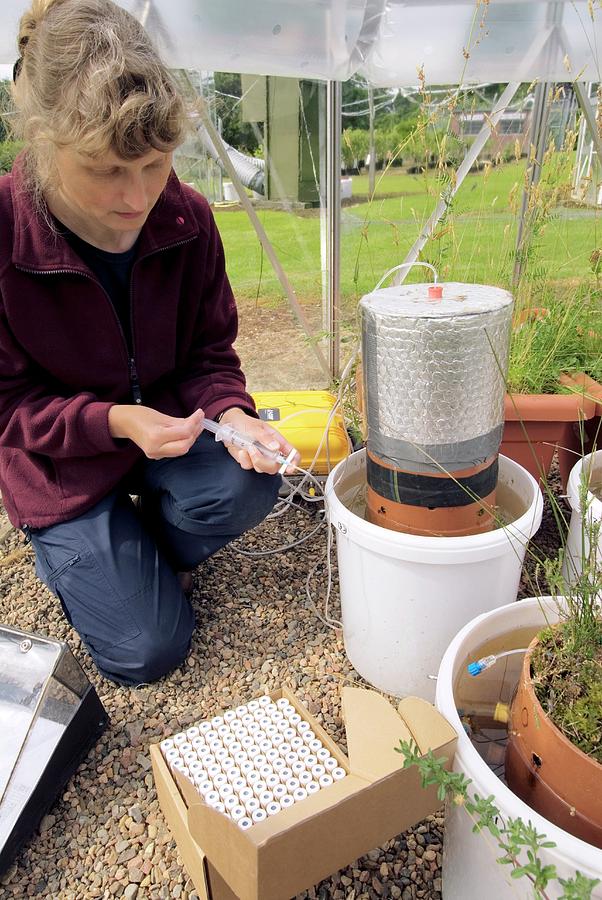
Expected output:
(548, 39)
(331, 312)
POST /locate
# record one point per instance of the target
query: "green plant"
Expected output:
(519, 842)
(555, 332)
(567, 661)
(8, 152)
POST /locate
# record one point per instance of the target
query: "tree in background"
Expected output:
(228, 108)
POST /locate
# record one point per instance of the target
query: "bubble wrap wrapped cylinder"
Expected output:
(434, 383)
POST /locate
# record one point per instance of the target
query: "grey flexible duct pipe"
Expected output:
(250, 170)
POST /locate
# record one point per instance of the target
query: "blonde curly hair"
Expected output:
(89, 77)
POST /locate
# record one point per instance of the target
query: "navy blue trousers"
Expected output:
(114, 567)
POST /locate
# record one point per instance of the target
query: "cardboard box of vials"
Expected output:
(357, 803)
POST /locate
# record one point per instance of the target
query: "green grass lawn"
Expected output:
(475, 243)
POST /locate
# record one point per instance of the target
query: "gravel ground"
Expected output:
(106, 836)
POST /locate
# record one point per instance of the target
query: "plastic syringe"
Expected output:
(229, 435)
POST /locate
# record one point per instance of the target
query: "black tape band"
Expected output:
(430, 492)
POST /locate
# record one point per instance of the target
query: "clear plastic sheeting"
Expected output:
(387, 41)
(468, 42)
(325, 39)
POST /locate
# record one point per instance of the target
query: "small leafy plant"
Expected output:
(519, 842)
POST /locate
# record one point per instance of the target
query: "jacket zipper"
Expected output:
(132, 371)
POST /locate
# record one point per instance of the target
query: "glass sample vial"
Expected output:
(286, 801)
(171, 754)
(271, 781)
(259, 815)
(300, 794)
(253, 705)
(192, 732)
(325, 780)
(166, 745)
(245, 823)
(252, 804)
(303, 753)
(305, 778)
(312, 788)
(265, 700)
(238, 812)
(292, 784)
(272, 808)
(259, 787)
(317, 771)
(204, 728)
(322, 753)
(216, 721)
(231, 803)
(339, 773)
(265, 798)
(180, 738)
(245, 794)
(279, 791)
(229, 717)
(241, 711)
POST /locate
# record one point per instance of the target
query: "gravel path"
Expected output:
(106, 836)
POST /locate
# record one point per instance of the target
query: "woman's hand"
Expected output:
(155, 433)
(260, 431)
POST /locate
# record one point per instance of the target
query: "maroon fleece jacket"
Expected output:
(64, 360)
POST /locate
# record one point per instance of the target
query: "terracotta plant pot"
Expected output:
(547, 771)
(536, 424)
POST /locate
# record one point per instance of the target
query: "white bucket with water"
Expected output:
(470, 869)
(580, 533)
(404, 596)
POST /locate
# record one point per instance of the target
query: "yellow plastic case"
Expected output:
(302, 416)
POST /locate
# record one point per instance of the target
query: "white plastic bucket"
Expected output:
(404, 596)
(470, 870)
(577, 542)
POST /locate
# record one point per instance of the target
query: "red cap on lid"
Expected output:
(435, 291)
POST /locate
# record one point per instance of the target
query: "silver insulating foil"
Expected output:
(434, 374)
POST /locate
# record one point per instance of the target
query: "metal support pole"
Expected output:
(537, 149)
(372, 151)
(589, 115)
(463, 170)
(333, 213)
(263, 238)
